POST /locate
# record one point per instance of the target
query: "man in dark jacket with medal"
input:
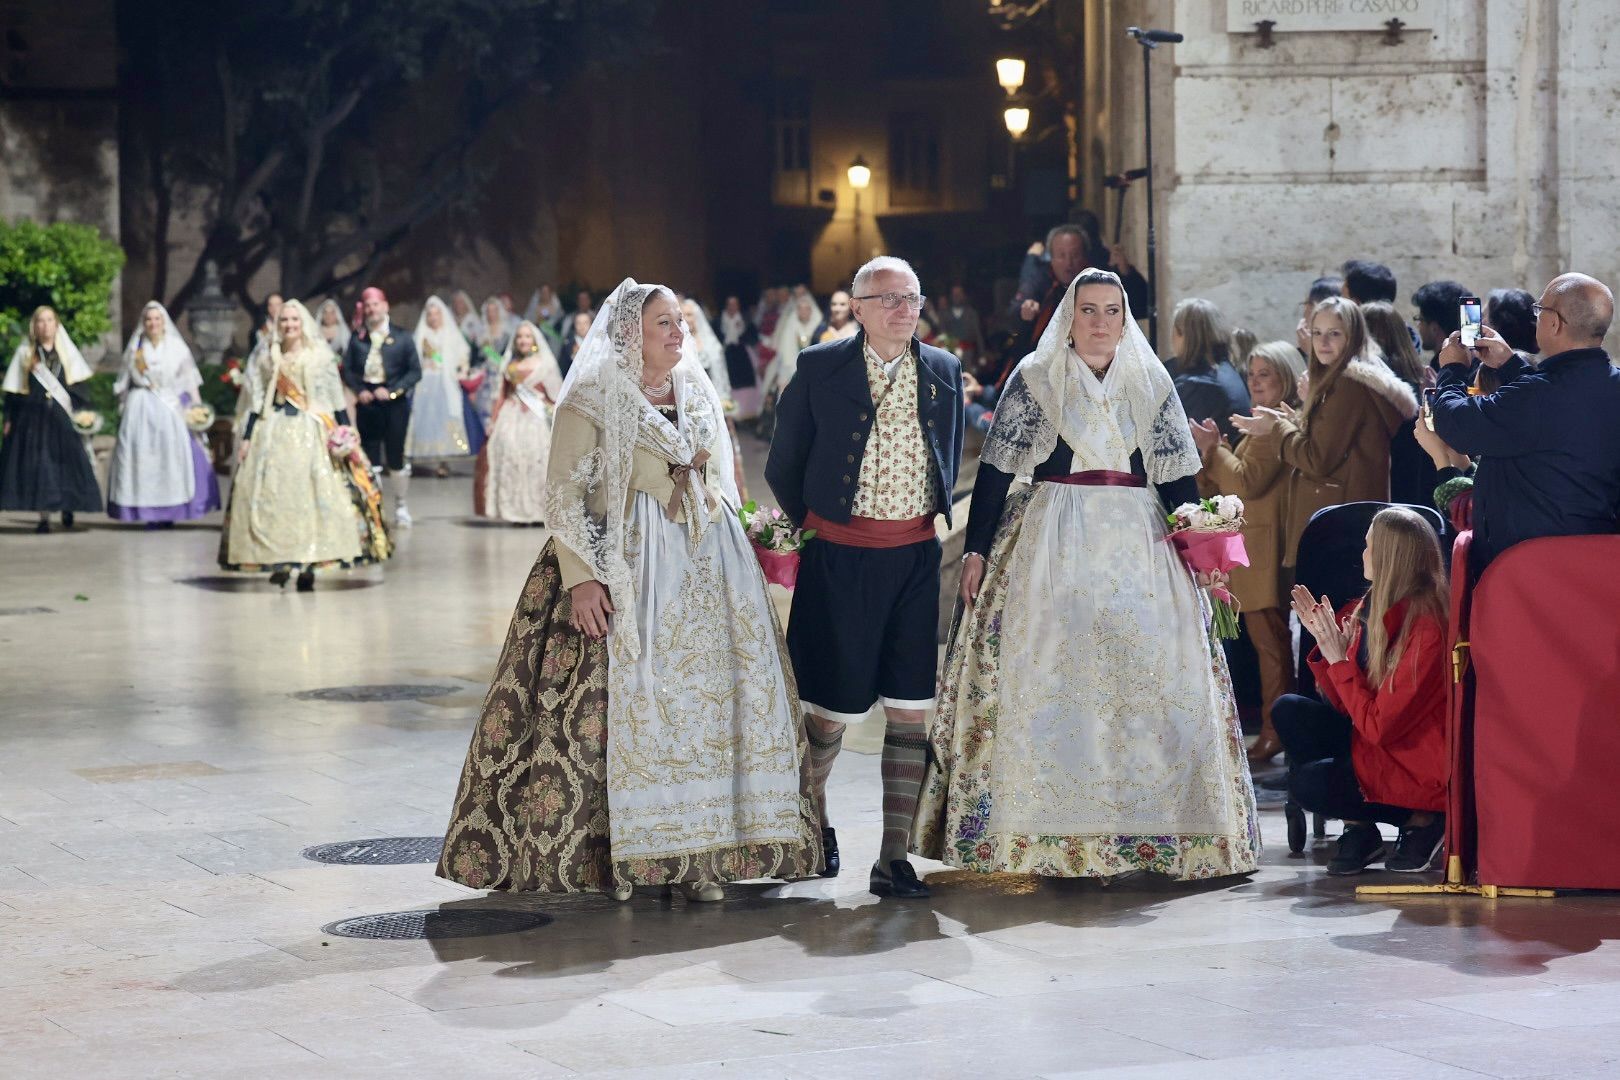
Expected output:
(381, 367)
(868, 439)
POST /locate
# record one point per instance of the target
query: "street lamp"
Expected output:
(860, 174)
(860, 177)
(1016, 117)
(1010, 74)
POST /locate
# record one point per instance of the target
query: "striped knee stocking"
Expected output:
(818, 760)
(905, 754)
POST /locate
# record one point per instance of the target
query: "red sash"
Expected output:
(871, 533)
(1098, 478)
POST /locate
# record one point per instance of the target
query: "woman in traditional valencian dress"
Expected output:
(1086, 726)
(443, 422)
(160, 471)
(44, 465)
(712, 356)
(294, 506)
(510, 483)
(643, 726)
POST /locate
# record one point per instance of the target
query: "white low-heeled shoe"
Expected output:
(702, 894)
(621, 893)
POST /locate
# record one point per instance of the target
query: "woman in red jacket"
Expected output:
(1374, 748)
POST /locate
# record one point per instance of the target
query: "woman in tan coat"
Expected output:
(1253, 472)
(1337, 447)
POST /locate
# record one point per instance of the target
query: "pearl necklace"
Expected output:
(659, 390)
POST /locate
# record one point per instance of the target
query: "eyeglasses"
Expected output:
(892, 300)
(1537, 309)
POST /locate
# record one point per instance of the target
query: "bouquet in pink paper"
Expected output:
(1206, 534)
(776, 542)
(342, 442)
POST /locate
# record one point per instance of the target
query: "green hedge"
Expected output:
(66, 266)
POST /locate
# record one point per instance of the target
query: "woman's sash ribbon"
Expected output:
(53, 386)
(692, 472)
(1097, 478)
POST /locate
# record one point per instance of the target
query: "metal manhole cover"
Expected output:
(27, 611)
(382, 692)
(418, 925)
(381, 851)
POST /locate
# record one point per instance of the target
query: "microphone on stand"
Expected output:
(1157, 37)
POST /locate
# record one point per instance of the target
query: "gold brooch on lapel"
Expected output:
(933, 391)
(388, 341)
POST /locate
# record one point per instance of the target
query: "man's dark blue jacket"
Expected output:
(824, 420)
(1549, 449)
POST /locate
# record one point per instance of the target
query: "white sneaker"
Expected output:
(402, 517)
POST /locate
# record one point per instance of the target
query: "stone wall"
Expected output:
(1482, 150)
(59, 124)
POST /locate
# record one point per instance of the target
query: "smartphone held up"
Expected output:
(1472, 316)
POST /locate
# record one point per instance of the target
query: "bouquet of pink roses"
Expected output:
(1206, 535)
(342, 442)
(776, 542)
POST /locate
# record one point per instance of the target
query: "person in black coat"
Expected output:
(868, 439)
(1209, 387)
(1548, 442)
(381, 367)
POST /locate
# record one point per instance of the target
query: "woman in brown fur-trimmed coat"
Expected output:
(1338, 445)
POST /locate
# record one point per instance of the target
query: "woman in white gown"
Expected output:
(643, 727)
(443, 425)
(511, 480)
(293, 505)
(160, 472)
(1086, 726)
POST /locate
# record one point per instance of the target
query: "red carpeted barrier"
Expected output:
(1545, 633)
(1460, 733)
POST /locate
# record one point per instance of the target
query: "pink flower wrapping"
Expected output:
(1211, 556)
(780, 568)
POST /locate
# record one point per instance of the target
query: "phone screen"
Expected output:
(1429, 394)
(1472, 315)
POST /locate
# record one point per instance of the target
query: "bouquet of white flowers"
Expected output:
(87, 422)
(200, 417)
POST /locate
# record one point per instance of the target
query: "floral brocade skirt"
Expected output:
(1085, 726)
(532, 810)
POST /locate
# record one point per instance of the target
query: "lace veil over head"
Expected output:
(587, 498)
(453, 348)
(169, 362)
(1051, 394)
(711, 354)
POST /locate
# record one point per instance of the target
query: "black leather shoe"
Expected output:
(67, 519)
(279, 579)
(306, 581)
(829, 850)
(899, 881)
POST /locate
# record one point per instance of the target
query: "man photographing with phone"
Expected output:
(1548, 442)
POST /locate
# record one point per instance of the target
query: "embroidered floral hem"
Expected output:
(1184, 857)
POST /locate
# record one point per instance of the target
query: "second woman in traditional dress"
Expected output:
(1086, 727)
(44, 465)
(295, 505)
(510, 482)
(643, 726)
(160, 471)
(712, 355)
(443, 422)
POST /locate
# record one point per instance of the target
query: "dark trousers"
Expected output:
(1321, 778)
(383, 425)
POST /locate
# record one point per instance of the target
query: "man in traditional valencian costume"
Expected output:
(868, 439)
